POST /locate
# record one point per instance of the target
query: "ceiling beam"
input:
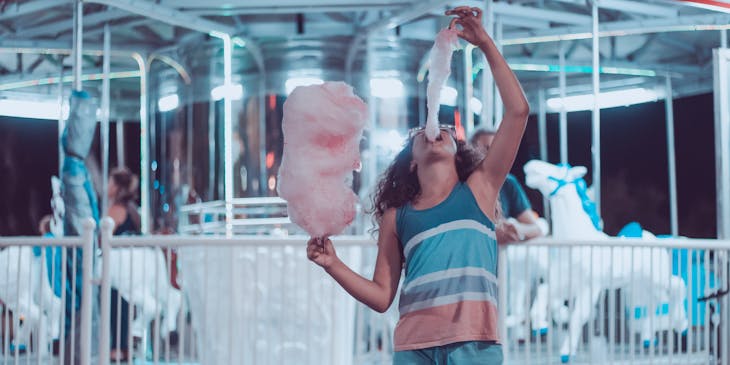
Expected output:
(177, 18)
(657, 67)
(130, 24)
(622, 28)
(64, 47)
(67, 24)
(540, 14)
(640, 7)
(524, 22)
(167, 15)
(29, 7)
(388, 23)
(714, 5)
(253, 10)
(633, 7)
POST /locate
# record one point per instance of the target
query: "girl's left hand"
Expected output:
(470, 20)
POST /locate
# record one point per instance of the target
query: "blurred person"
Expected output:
(122, 194)
(518, 221)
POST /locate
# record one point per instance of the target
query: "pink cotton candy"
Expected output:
(322, 129)
(438, 72)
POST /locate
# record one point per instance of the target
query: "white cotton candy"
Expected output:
(438, 72)
(322, 128)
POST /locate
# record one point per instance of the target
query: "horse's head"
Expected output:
(551, 180)
(548, 178)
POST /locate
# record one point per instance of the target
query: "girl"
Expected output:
(435, 209)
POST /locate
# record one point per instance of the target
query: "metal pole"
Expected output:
(105, 121)
(487, 78)
(596, 129)
(723, 38)
(86, 291)
(542, 137)
(671, 154)
(262, 135)
(371, 168)
(563, 113)
(722, 140)
(144, 145)
(498, 104)
(541, 124)
(107, 228)
(212, 167)
(78, 39)
(61, 118)
(228, 130)
(468, 89)
(722, 162)
(120, 142)
(189, 137)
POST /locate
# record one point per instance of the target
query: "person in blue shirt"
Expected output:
(524, 223)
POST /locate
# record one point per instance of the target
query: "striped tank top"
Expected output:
(450, 291)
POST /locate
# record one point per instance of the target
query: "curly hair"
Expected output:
(399, 184)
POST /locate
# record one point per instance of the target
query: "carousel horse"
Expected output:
(23, 285)
(28, 294)
(140, 275)
(646, 273)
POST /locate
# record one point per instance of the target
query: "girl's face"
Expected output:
(443, 147)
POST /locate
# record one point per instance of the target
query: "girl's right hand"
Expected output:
(321, 252)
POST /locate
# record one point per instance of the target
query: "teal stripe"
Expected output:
(460, 204)
(462, 224)
(452, 249)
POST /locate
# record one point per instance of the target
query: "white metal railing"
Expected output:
(247, 300)
(615, 301)
(251, 216)
(257, 300)
(33, 291)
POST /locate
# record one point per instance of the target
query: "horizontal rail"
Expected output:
(242, 240)
(236, 202)
(691, 243)
(40, 241)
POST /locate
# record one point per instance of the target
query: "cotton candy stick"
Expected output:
(438, 72)
(322, 128)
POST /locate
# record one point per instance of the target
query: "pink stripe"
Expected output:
(436, 326)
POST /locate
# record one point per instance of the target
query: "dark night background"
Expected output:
(634, 184)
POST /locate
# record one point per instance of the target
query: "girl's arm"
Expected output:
(377, 293)
(490, 175)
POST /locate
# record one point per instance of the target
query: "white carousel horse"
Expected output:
(528, 266)
(26, 292)
(645, 272)
(25, 285)
(141, 277)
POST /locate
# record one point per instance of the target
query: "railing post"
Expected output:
(86, 302)
(107, 228)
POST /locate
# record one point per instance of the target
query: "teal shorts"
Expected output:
(460, 353)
